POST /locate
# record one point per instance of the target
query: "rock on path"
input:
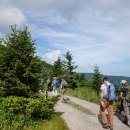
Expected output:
(77, 120)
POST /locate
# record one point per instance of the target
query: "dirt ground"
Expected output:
(77, 120)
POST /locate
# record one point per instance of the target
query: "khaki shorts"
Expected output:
(63, 91)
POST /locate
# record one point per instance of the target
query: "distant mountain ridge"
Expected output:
(112, 79)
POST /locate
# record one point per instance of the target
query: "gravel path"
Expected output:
(77, 120)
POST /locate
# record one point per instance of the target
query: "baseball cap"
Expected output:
(123, 82)
(105, 78)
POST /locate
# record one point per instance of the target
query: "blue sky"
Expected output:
(94, 31)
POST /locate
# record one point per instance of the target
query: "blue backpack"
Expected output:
(57, 83)
(42, 81)
(111, 93)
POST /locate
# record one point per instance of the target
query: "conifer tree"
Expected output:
(82, 77)
(96, 79)
(68, 64)
(20, 68)
(69, 67)
(57, 68)
(77, 77)
(46, 69)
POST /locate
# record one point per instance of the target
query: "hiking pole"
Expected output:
(46, 93)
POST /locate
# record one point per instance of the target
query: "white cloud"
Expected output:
(92, 65)
(43, 5)
(10, 16)
(107, 2)
(52, 56)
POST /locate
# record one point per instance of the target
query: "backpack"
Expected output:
(111, 93)
(42, 81)
(128, 94)
(57, 83)
(65, 84)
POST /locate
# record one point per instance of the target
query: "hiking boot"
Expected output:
(110, 128)
(105, 126)
(64, 101)
(125, 122)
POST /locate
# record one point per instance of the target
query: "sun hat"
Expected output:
(123, 82)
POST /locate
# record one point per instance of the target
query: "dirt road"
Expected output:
(77, 120)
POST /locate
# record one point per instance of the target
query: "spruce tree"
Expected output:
(96, 79)
(20, 68)
(68, 64)
(69, 67)
(77, 77)
(46, 69)
(57, 68)
(82, 77)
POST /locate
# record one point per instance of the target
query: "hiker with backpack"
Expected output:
(125, 95)
(42, 81)
(63, 87)
(55, 85)
(49, 82)
(107, 101)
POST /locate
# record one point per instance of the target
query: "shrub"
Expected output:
(16, 112)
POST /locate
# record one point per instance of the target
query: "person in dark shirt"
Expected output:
(123, 90)
(123, 94)
(49, 82)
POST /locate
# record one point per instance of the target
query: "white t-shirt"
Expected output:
(104, 87)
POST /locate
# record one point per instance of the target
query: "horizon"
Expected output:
(105, 74)
(95, 32)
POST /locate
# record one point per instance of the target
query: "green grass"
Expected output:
(79, 107)
(55, 123)
(85, 94)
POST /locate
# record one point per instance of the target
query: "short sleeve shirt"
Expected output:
(54, 83)
(62, 83)
(123, 90)
(104, 88)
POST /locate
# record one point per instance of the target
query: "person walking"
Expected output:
(49, 82)
(126, 103)
(63, 87)
(54, 85)
(42, 83)
(106, 104)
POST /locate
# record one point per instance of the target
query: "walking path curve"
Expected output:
(77, 120)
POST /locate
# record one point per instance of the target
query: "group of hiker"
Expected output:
(108, 98)
(53, 84)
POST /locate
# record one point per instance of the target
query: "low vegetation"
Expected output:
(18, 112)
